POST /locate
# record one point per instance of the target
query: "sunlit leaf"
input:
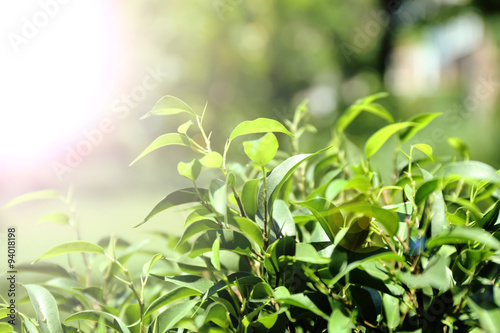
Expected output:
(460, 146)
(458, 235)
(147, 266)
(171, 296)
(96, 316)
(420, 121)
(71, 247)
(183, 128)
(171, 316)
(230, 240)
(45, 194)
(168, 139)
(169, 105)
(262, 150)
(260, 125)
(58, 217)
(215, 253)
(212, 160)
(377, 140)
(194, 282)
(189, 170)
(249, 228)
(46, 309)
(426, 149)
(471, 170)
(179, 197)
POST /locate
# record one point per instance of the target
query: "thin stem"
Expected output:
(267, 229)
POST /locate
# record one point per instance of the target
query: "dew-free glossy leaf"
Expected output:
(6, 328)
(71, 247)
(321, 210)
(259, 125)
(249, 228)
(391, 311)
(44, 268)
(183, 128)
(218, 314)
(195, 228)
(212, 160)
(352, 112)
(460, 146)
(189, 170)
(262, 150)
(38, 195)
(420, 121)
(249, 197)
(215, 253)
(426, 149)
(425, 190)
(377, 140)
(110, 320)
(46, 309)
(168, 105)
(471, 170)
(194, 282)
(57, 217)
(230, 240)
(301, 301)
(171, 296)
(171, 316)
(168, 139)
(147, 266)
(179, 197)
(459, 235)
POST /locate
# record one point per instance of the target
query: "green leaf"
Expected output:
(459, 235)
(322, 210)
(262, 150)
(195, 228)
(212, 160)
(249, 197)
(147, 266)
(348, 117)
(215, 253)
(218, 314)
(426, 189)
(168, 139)
(471, 170)
(189, 170)
(460, 146)
(44, 268)
(303, 302)
(388, 219)
(489, 318)
(45, 194)
(171, 316)
(230, 240)
(278, 176)
(283, 219)
(339, 323)
(71, 247)
(96, 316)
(249, 228)
(183, 128)
(307, 253)
(171, 296)
(377, 140)
(425, 148)
(6, 328)
(58, 217)
(169, 105)
(260, 125)
(179, 197)
(391, 311)
(420, 121)
(46, 309)
(194, 282)
(363, 105)
(435, 275)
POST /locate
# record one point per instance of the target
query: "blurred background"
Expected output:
(76, 76)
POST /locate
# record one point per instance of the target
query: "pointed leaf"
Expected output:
(46, 309)
(96, 316)
(425, 148)
(71, 247)
(171, 316)
(420, 121)
(230, 240)
(194, 282)
(459, 235)
(260, 125)
(249, 228)
(168, 139)
(169, 105)
(179, 197)
(183, 128)
(471, 170)
(45, 194)
(195, 228)
(189, 170)
(58, 217)
(171, 296)
(147, 266)
(377, 140)
(215, 253)
(460, 146)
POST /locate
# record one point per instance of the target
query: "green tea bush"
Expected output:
(296, 242)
